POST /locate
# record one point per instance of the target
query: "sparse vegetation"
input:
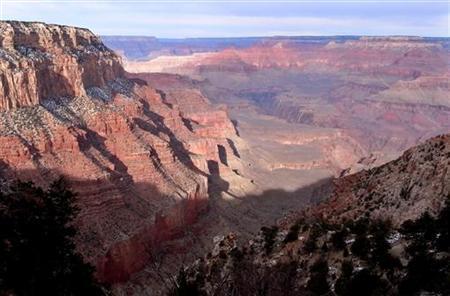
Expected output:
(323, 265)
(426, 271)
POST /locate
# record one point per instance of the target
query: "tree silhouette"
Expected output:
(37, 252)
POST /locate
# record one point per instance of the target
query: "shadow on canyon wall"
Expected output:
(247, 214)
(147, 233)
(123, 225)
(157, 120)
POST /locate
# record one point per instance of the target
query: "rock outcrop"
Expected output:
(138, 158)
(40, 61)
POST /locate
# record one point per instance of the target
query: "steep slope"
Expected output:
(399, 190)
(139, 168)
(383, 232)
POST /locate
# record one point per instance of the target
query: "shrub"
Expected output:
(443, 227)
(184, 287)
(425, 273)
(361, 246)
(269, 234)
(423, 228)
(318, 283)
(311, 243)
(380, 253)
(365, 282)
(360, 226)
(321, 266)
(342, 285)
(345, 253)
(292, 235)
(338, 239)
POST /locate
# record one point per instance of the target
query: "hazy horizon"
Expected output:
(237, 19)
(273, 36)
(226, 37)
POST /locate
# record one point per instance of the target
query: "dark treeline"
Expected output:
(37, 252)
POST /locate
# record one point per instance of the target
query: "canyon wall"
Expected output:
(386, 93)
(138, 159)
(59, 61)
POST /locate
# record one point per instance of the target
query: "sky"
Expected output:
(234, 18)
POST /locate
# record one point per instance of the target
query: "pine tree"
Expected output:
(37, 252)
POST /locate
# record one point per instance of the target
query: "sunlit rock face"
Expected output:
(137, 158)
(40, 61)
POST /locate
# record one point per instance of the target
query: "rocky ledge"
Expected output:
(40, 61)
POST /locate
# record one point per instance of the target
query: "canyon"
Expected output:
(368, 238)
(170, 143)
(379, 95)
(310, 109)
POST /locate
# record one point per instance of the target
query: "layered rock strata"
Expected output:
(40, 61)
(139, 167)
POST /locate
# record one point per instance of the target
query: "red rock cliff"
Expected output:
(127, 151)
(39, 61)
